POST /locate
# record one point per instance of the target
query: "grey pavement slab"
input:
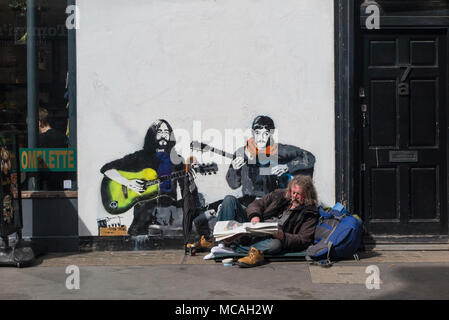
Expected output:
(164, 276)
(162, 257)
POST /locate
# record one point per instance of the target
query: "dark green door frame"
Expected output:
(344, 26)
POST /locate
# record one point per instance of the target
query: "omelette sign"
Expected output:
(47, 159)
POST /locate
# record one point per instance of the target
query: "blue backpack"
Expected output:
(337, 236)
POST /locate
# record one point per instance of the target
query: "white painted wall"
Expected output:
(221, 62)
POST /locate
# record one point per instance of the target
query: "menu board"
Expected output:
(10, 214)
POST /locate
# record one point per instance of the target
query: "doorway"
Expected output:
(402, 131)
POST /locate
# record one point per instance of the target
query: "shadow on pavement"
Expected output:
(417, 282)
(368, 254)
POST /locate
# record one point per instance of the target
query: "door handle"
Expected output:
(364, 108)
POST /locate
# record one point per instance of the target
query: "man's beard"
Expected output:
(162, 144)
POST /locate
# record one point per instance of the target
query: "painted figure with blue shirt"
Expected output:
(159, 159)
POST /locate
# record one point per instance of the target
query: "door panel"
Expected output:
(384, 194)
(383, 121)
(383, 53)
(404, 146)
(423, 113)
(424, 186)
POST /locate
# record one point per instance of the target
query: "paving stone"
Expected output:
(339, 274)
(161, 257)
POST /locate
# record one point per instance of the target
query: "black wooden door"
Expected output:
(403, 124)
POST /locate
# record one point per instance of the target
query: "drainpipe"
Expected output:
(32, 84)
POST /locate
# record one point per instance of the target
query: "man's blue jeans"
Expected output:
(231, 209)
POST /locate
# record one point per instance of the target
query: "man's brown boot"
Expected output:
(201, 244)
(205, 244)
(253, 259)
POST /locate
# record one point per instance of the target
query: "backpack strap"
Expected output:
(328, 260)
(340, 217)
(325, 263)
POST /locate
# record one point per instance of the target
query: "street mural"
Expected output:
(262, 165)
(147, 180)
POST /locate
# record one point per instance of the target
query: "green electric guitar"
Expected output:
(118, 198)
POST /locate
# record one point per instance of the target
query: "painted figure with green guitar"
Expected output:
(147, 181)
(144, 185)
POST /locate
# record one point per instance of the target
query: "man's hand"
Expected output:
(237, 163)
(136, 185)
(255, 219)
(279, 170)
(279, 235)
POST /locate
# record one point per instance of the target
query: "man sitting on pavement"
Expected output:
(294, 209)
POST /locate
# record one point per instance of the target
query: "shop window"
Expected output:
(52, 78)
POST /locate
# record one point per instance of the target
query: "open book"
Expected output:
(227, 229)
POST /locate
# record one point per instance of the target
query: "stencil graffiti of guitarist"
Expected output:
(158, 153)
(262, 165)
(259, 167)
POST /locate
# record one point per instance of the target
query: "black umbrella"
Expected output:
(190, 201)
